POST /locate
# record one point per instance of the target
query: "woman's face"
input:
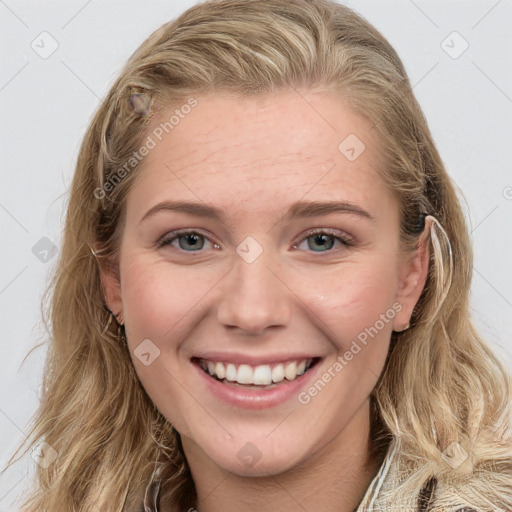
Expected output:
(251, 292)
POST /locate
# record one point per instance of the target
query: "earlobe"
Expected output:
(413, 277)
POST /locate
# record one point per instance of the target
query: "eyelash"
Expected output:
(346, 241)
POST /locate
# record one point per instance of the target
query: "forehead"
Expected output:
(228, 150)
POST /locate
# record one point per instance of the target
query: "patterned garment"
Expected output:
(371, 501)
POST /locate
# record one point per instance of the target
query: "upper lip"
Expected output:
(237, 358)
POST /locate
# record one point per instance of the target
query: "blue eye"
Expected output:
(192, 241)
(188, 241)
(325, 239)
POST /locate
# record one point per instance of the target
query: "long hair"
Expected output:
(441, 384)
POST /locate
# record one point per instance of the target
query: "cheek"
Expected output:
(158, 296)
(158, 304)
(352, 307)
(354, 298)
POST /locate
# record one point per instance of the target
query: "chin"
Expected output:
(251, 461)
(255, 454)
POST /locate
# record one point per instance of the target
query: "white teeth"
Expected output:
(290, 370)
(261, 375)
(278, 373)
(231, 372)
(220, 370)
(244, 374)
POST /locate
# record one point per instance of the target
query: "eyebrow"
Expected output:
(299, 209)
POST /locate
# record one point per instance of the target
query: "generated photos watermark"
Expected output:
(304, 397)
(140, 107)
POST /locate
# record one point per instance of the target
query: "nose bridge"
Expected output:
(254, 297)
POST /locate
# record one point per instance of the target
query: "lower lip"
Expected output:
(256, 397)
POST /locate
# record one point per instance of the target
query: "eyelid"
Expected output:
(173, 235)
(344, 237)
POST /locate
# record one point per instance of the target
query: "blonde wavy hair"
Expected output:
(441, 383)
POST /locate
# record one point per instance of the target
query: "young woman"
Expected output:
(262, 296)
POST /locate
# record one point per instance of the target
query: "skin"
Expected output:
(252, 158)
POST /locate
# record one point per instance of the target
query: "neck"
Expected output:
(334, 479)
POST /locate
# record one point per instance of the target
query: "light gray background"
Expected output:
(46, 104)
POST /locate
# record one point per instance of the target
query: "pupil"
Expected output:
(191, 240)
(321, 239)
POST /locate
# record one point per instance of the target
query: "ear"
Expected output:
(413, 274)
(111, 282)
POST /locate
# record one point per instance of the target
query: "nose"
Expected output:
(254, 297)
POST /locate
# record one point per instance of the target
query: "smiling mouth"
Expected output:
(257, 376)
